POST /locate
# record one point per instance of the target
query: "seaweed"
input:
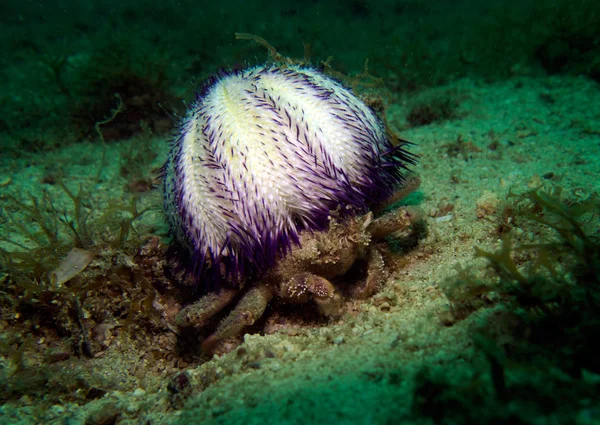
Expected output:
(533, 353)
(56, 65)
(466, 294)
(136, 165)
(573, 242)
(67, 309)
(40, 231)
(558, 295)
(359, 83)
(571, 43)
(120, 67)
(494, 393)
(548, 292)
(433, 109)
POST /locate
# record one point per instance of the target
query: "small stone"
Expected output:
(338, 340)
(385, 307)
(57, 409)
(180, 388)
(104, 415)
(487, 204)
(139, 392)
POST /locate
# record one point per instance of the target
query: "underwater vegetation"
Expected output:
(433, 109)
(572, 46)
(66, 82)
(556, 300)
(141, 86)
(79, 283)
(537, 336)
(67, 279)
(44, 232)
(120, 82)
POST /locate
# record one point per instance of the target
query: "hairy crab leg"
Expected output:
(250, 308)
(394, 221)
(198, 313)
(376, 274)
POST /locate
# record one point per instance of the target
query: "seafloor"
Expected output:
(454, 336)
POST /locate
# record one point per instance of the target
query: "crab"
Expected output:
(306, 272)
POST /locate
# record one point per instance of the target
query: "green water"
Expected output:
(501, 101)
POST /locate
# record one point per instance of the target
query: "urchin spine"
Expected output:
(267, 152)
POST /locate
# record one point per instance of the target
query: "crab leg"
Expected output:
(376, 274)
(391, 222)
(198, 313)
(250, 308)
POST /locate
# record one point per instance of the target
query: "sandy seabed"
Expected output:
(515, 135)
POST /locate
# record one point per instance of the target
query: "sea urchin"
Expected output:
(265, 153)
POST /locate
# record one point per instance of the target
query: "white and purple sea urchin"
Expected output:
(265, 153)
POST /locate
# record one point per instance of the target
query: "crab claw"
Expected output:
(304, 286)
